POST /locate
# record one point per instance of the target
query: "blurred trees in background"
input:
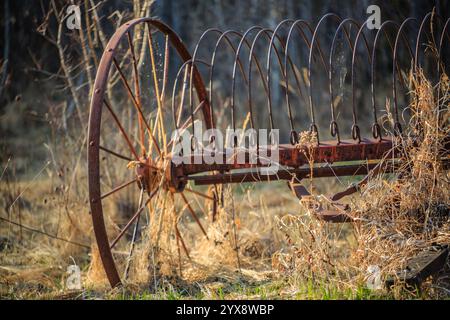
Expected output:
(47, 70)
(26, 26)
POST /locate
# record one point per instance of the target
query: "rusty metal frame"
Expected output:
(94, 130)
(293, 157)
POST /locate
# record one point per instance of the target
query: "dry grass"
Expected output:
(402, 217)
(263, 245)
(396, 218)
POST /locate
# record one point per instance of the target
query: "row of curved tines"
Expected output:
(309, 34)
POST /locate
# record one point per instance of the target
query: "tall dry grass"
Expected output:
(397, 215)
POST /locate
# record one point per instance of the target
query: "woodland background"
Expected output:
(42, 86)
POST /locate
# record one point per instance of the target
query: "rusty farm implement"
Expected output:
(295, 78)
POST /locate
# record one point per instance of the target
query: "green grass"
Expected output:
(268, 290)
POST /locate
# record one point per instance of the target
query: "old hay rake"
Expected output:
(148, 85)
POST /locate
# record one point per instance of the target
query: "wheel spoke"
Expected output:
(134, 217)
(135, 103)
(118, 155)
(187, 123)
(145, 138)
(183, 244)
(133, 239)
(172, 197)
(179, 254)
(155, 80)
(199, 194)
(192, 212)
(137, 91)
(183, 94)
(166, 68)
(122, 130)
(120, 187)
(150, 166)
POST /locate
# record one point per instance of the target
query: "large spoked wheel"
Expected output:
(129, 137)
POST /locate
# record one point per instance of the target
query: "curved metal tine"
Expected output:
(166, 68)
(397, 126)
(135, 103)
(137, 92)
(234, 71)
(222, 35)
(441, 62)
(283, 67)
(295, 25)
(133, 238)
(236, 59)
(309, 44)
(118, 155)
(355, 47)
(187, 123)
(133, 218)
(372, 68)
(122, 130)
(313, 126)
(372, 71)
(445, 31)
(268, 64)
(193, 214)
(225, 36)
(186, 66)
(333, 125)
(376, 129)
(118, 188)
(251, 57)
(249, 77)
(288, 61)
(194, 67)
(356, 132)
(159, 114)
(429, 16)
(176, 116)
(195, 60)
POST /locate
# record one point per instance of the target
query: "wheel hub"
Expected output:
(148, 175)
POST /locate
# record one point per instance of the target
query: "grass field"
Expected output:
(34, 266)
(263, 242)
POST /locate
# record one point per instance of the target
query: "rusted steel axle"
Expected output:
(287, 174)
(296, 156)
